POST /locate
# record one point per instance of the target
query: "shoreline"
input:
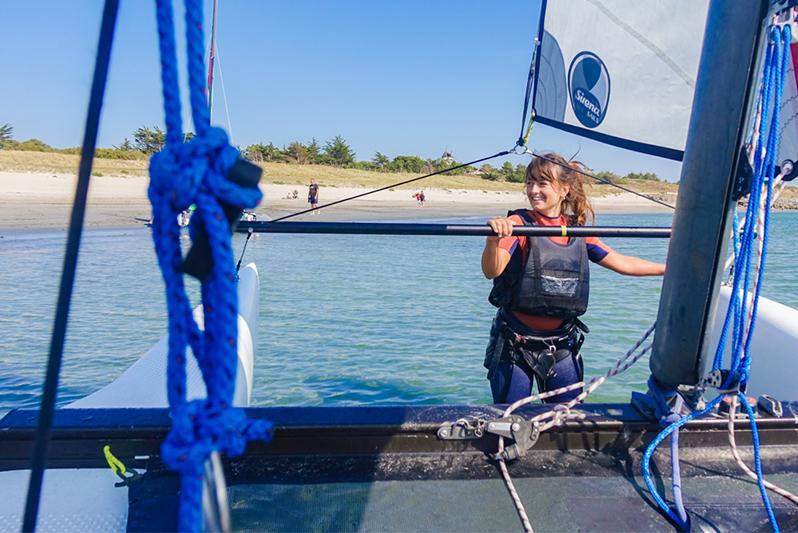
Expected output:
(43, 201)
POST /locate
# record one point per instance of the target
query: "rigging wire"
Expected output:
(361, 195)
(47, 406)
(212, 57)
(224, 97)
(238, 265)
(599, 179)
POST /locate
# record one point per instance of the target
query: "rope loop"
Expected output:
(200, 428)
(172, 180)
(180, 171)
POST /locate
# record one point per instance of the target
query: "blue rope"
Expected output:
(181, 175)
(738, 306)
(656, 401)
(652, 489)
(770, 171)
(770, 94)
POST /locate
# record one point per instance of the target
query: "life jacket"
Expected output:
(554, 280)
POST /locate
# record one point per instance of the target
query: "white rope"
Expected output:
(760, 226)
(733, 445)
(561, 413)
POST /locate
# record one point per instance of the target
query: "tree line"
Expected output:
(335, 152)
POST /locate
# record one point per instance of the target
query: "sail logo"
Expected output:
(589, 87)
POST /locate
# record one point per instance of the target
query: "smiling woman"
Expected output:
(541, 285)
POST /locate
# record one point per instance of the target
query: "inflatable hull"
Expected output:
(773, 346)
(85, 499)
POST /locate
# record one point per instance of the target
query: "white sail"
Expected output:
(620, 71)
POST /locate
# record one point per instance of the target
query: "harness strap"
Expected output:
(540, 353)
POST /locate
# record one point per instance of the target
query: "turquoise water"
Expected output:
(343, 320)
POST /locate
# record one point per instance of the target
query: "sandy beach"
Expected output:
(35, 200)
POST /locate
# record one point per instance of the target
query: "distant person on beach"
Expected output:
(421, 198)
(313, 196)
(541, 285)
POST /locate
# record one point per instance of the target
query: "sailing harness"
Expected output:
(537, 353)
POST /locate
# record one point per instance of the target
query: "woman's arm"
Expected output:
(631, 266)
(495, 259)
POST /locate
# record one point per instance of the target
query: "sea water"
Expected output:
(344, 319)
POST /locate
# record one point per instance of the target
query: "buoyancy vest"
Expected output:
(553, 280)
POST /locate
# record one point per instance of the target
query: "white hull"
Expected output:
(774, 346)
(86, 499)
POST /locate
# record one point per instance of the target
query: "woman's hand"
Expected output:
(503, 226)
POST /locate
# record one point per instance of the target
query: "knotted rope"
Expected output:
(183, 174)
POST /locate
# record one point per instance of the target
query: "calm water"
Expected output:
(343, 320)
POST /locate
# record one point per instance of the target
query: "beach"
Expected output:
(39, 200)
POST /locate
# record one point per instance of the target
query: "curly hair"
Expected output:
(555, 169)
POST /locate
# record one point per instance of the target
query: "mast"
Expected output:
(211, 58)
(721, 108)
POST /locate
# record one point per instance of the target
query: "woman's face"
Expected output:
(546, 196)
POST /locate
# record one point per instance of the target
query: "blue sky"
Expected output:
(410, 77)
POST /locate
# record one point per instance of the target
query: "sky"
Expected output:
(415, 77)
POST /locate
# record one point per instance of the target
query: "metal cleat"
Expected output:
(523, 433)
(463, 429)
(769, 405)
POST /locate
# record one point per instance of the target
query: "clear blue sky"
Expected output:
(410, 77)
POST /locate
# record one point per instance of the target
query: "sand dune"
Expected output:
(43, 200)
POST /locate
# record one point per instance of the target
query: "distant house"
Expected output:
(446, 157)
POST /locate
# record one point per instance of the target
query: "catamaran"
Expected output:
(710, 83)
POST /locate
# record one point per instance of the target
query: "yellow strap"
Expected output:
(564, 230)
(529, 127)
(115, 464)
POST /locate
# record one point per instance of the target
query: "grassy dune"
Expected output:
(286, 173)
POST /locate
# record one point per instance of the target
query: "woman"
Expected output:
(541, 285)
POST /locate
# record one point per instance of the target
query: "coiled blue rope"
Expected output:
(181, 175)
(770, 95)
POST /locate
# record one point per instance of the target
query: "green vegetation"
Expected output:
(6, 130)
(147, 141)
(337, 153)
(335, 161)
(631, 177)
